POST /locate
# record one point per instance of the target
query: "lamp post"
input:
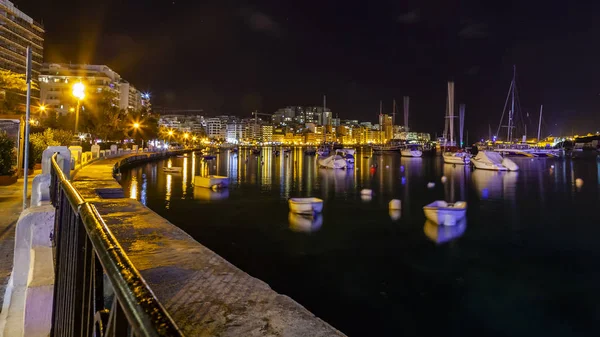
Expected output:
(136, 127)
(79, 93)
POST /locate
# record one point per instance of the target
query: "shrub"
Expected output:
(8, 159)
(39, 142)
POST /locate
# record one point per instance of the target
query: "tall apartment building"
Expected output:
(17, 32)
(56, 83)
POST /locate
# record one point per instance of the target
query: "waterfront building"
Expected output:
(267, 133)
(17, 33)
(215, 128)
(56, 82)
(234, 132)
(183, 123)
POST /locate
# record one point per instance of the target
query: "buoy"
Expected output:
(366, 191)
(395, 204)
(395, 214)
(551, 166)
(431, 185)
(578, 182)
(372, 170)
(387, 166)
(444, 179)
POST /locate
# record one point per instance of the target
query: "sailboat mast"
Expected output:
(540, 123)
(394, 112)
(406, 106)
(324, 117)
(380, 119)
(461, 115)
(451, 111)
(512, 109)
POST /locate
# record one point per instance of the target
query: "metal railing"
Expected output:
(88, 258)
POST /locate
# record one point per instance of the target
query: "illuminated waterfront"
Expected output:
(524, 264)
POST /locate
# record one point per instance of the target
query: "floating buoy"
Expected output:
(366, 191)
(372, 170)
(395, 204)
(366, 197)
(387, 166)
(551, 166)
(444, 179)
(430, 185)
(578, 182)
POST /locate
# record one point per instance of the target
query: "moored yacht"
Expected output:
(490, 160)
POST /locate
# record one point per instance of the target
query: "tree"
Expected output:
(12, 90)
(8, 159)
(40, 141)
(102, 117)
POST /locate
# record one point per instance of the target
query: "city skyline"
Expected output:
(234, 58)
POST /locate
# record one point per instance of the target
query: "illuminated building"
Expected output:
(56, 81)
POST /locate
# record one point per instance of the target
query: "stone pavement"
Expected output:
(11, 205)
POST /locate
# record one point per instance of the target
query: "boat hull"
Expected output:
(457, 160)
(411, 153)
(333, 162)
(172, 169)
(445, 215)
(305, 205)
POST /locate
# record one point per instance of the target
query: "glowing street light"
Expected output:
(186, 136)
(136, 125)
(42, 108)
(79, 93)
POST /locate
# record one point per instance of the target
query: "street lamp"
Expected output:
(79, 93)
(136, 127)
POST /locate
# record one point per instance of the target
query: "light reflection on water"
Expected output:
(521, 229)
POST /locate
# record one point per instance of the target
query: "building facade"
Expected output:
(56, 83)
(17, 32)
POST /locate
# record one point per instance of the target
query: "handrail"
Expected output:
(86, 250)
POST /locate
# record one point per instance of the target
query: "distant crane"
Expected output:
(256, 113)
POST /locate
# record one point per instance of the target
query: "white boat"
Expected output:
(333, 162)
(347, 154)
(306, 205)
(323, 151)
(411, 151)
(213, 182)
(443, 213)
(172, 169)
(457, 158)
(490, 160)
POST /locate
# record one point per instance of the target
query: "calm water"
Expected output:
(526, 263)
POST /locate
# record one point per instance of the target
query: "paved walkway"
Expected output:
(11, 204)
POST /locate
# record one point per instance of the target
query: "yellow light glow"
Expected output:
(79, 90)
(42, 108)
(136, 125)
(72, 109)
(170, 132)
(194, 138)
(185, 136)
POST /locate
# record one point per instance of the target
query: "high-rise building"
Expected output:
(56, 82)
(215, 128)
(18, 31)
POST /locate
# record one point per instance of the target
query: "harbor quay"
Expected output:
(199, 292)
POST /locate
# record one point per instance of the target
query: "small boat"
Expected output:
(172, 169)
(490, 160)
(457, 158)
(209, 157)
(306, 205)
(333, 162)
(443, 213)
(411, 151)
(347, 154)
(212, 182)
(323, 151)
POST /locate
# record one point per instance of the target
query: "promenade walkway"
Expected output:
(11, 205)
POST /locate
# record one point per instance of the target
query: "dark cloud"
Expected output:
(473, 31)
(261, 22)
(410, 17)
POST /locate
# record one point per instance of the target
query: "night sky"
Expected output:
(230, 57)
